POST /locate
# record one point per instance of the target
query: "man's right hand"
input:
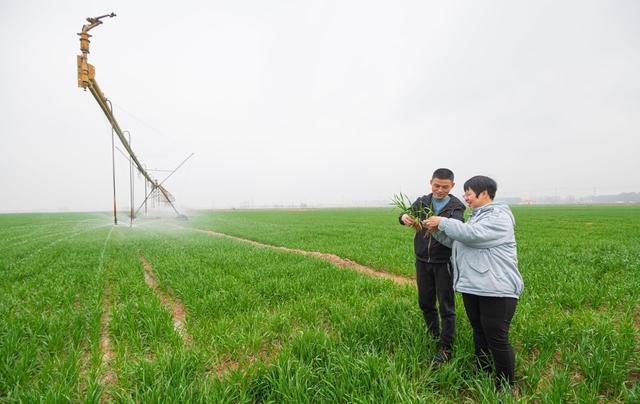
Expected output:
(407, 220)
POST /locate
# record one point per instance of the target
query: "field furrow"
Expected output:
(108, 379)
(332, 258)
(178, 312)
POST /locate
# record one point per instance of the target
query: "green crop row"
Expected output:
(50, 288)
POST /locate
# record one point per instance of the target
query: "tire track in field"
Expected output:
(178, 311)
(334, 259)
(108, 376)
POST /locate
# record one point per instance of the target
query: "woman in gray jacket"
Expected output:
(485, 271)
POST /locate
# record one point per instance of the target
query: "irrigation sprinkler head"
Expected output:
(96, 20)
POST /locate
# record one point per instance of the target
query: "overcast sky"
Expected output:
(320, 102)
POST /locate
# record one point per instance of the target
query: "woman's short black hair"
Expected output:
(479, 184)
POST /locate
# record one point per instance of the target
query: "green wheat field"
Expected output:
(164, 311)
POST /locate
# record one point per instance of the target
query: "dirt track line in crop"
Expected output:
(178, 312)
(108, 376)
(334, 259)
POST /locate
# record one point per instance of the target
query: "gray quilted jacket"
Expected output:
(484, 257)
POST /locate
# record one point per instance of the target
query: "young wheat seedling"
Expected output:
(402, 202)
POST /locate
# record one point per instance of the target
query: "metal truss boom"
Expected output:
(86, 79)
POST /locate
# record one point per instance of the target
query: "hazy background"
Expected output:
(322, 103)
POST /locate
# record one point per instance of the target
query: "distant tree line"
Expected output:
(625, 197)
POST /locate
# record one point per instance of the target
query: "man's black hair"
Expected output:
(479, 184)
(443, 174)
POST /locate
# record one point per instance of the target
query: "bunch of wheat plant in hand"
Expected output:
(402, 202)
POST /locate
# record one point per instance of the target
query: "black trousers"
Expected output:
(490, 318)
(435, 281)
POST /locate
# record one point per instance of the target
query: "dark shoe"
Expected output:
(442, 356)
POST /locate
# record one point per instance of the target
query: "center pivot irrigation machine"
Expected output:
(154, 191)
